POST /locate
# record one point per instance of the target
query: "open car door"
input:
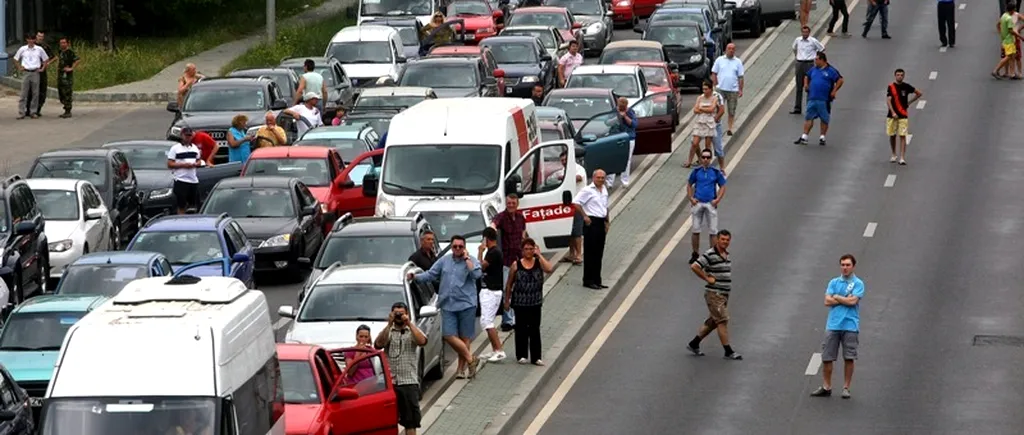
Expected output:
(350, 197)
(606, 143)
(655, 124)
(357, 406)
(546, 192)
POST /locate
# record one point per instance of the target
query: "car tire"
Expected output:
(435, 373)
(44, 274)
(757, 27)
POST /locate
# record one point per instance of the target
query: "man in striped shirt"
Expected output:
(715, 268)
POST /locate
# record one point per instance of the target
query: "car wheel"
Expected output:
(44, 274)
(436, 373)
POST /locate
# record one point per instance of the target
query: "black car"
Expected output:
(280, 216)
(212, 103)
(686, 47)
(369, 240)
(340, 92)
(410, 30)
(746, 15)
(525, 61)
(378, 117)
(148, 159)
(450, 77)
(16, 414)
(109, 171)
(287, 80)
(25, 255)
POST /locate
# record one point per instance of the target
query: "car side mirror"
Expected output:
(587, 138)
(240, 257)
(343, 394)
(370, 185)
(309, 210)
(639, 28)
(576, 26)
(279, 104)
(566, 197)
(95, 213)
(427, 311)
(401, 59)
(346, 183)
(513, 184)
(716, 30)
(286, 311)
(499, 73)
(672, 66)
(24, 228)
(581, 152)
(172, 106)
(543, 58)
(564, 46)
(709, 44)
(497, 14)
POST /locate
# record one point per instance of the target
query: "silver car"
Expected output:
(596, 19)
(549, 37)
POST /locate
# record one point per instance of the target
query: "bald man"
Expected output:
(592, 202)
(727, 75)
(270, 134)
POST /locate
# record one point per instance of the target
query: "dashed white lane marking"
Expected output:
(942, 49)
(890, 180)
(813, 364)
(920, 104)
(281, 323)
(870, 230)
(910, 137)
(956, 26)
(963, 6)
(933, 75)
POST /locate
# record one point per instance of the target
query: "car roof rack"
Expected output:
(416, 219)
(345, 219)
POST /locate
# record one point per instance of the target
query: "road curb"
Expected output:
(97, 97)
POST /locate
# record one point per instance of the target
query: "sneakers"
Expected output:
(800, 141)
(821, 392)
(892, 159)
(903, 162)
(693, 257)
(886, 36)
(733, 356)
(821, 141)
(460, 375)
(846, 393)
(486, 355)
(523, 361)
(695, 350)
(66, 115)
(472, 368)
(496, 356)
(539, 363)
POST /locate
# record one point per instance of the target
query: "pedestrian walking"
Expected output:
(839, 8)
(821, 84)
(310, 81)
(727, 76)
(43, 76)
(705, 188)
(897, 122)
(424, 257)
(511, 227)
(30, 59)
(1009, 38)
(568, 62)
(457, 295)
(592, 201)
(182, 159)
(877, 8)
(491, 298)
(629, 122)
(525, 294)
(307, 114)
(239, 140)
(947, 22)
(705, 108)
(188, 78)
(806, 49)
(719, 132)
(575, 255)
(400, 340)
(842, 297)
(715, 268)
(270, 134)
(66, 75)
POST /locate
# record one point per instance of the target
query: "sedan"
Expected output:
(712, 31)
(559, 18)
(581, 104)
(450, 77)
(77, 222)
(549, 37)
(107, 273)
(595, 19)
(525, 62)
(746, 15)
(624, 80)
(350, 140)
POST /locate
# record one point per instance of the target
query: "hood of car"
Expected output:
(587, 20)
(28, 366)
(329, 335)
(519, 69)
(372, 71)
(475, 22)
(214, 120)
(152, 179)
(60, 230)
(265, 228)
(684, 54)
(456, 92)
(299, 418)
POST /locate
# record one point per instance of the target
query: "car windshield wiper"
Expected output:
(27, 348)
(367, 61)
(405, 189)
(453, 189)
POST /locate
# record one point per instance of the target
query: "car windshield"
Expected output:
(514, 53)
(581, 107)
(100, 279)
(547, 39)
(621, 84)
(547, 19)
(442, 170)
(579, 7)
(313, 172)
(449, 223)
(674, 35)
(357, 250)
(37, 331)
(251, 202)
(396, 7)
(57, 205)
(693, 17)
(361, 52)
(88, 169)
(468, 8)
(389, 100)
(145, 156)
(238, 99)
(379, 124)
(180, 247)
(349, 149)
(408, 36)
(130, 415)
(433, 75)
(350, 302)
(298, 383)
(282, 79)
(550, 134)
(633, 54)
(655, 75)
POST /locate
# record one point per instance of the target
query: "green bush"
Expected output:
(292, 41)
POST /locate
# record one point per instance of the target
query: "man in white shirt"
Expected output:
(576, 236)
(727, 75)
(806, 48)
(592, 201)
(30, 59)
(568, 62)
(306, 111)
(182, 159)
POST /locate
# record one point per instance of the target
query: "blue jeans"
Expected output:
(507, 317)
(458, 323)
(717, 141)
(877, 9)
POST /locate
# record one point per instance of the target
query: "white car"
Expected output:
(448, 217)
(394, 96)
(367, 53)
(624, 80)
(345, 297)
(77, 221)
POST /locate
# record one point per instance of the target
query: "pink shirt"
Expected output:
(364, 369)
(570, 62)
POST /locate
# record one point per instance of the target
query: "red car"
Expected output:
(660, 78)
(549, 16)
(480, 20)
(624, 13)
(321, 399)
(644, 8)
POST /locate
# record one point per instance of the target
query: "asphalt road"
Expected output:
(938, 248)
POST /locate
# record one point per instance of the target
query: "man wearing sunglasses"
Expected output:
(705, 188)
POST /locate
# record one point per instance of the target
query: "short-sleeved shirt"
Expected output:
(570, 62)
(705, 183)
(494, 273)
(821, 81)
(181, 153)
(310, 115)
(1005, 24)
(66, 59)
(207, 146)
(902, 92)
(719, 266)
(314, 82)
(842, 317)
(31, 58)
(729, 72)
(267, 132)
(593, 200)
(511, 227)
(401, 352)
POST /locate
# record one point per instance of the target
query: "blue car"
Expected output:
(202, 245)
(106, 273)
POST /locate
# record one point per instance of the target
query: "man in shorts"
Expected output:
(182, 159)
(489, 255)
(1008, 38)
(715, 268)
(843, 297)
(400, 339)
(706, 188)
(897, 123)
(821, 84)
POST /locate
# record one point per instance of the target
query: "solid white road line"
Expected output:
(870, 230)
(813, 364)
(963, 6)
(281, 323)
(934, 75)
(890, 180)
(942, 49)
(910, 137)
(920, 104)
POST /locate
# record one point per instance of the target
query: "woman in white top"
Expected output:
(704, 110)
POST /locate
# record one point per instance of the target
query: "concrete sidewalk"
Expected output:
(161, 87)
(495, 400)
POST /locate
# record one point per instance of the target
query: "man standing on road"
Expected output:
(843, 297)
(182, 159)
(897, 122)
(66, 75)
(1008, 37)
(715, 268)
(706, 188)
(568, 62)
(311, 81)
(270, 134)
(727, 75)
(425, 257)
(592, 201)
(456, 297)
(717, 140)
(629, 121)
(821, 84)
(877, 7)
(30, 59)
(43, 85)
(839, 8)
(399, 340)
(491, 295)
(806, 48)
(306, 115)
(511, 227)
(947, 22)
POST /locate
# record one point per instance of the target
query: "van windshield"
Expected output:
(135, 415)
(441, 169)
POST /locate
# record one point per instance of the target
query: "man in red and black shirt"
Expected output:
(511, 226)
(207, 146)
(898, 99)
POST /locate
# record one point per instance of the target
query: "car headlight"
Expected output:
(695, 58)
(160, 193)
(747, 3)
(385, 207)
(278, 240)
(623, 4)
(531, 79)
(595, 28)
(61, 246)
(176, 131)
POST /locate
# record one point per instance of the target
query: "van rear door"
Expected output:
(546, 190)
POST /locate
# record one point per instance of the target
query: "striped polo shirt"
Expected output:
(714, 264)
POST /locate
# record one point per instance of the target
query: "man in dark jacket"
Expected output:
(425, 257)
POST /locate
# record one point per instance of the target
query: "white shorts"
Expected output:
(490, 300)
(705, 216)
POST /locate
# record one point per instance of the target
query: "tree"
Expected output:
(103, 23)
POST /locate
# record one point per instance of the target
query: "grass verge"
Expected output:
(292, 41)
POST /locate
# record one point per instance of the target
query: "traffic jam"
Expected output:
(131, 309)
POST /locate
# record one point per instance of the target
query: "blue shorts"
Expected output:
(717, 141)
(817, 109)
(458, 323)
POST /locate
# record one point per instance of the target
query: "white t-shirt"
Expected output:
(311, 115)
(570, 62)
(559, 175)
(31, 57)
(184, 154)
(593, 201)
(807, 49)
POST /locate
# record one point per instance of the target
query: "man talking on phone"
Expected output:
(182, 159)
(399, 340)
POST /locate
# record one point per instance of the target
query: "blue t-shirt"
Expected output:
(240, 153)
(842, 317)
(383, 140)
(631, 127)
(705, 182)
(821, 81)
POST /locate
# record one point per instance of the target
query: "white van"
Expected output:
(186, 355)
(367, 53)
(478, 149)
(370, 10)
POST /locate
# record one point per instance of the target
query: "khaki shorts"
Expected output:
(718, 308)
(732, 99)
(897, 127)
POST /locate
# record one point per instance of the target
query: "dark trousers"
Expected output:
(528, 332)
(65, 90)
(42, 90)
(839, 7)
(880, 9)
(947, 23)
(593, 250)
(802, 66)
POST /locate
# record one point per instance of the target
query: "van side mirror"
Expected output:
(514, 184)
(24, 228)
(370, 184)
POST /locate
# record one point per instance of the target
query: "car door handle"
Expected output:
(661, 123)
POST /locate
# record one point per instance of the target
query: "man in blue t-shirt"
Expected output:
(843, 297)
(821, 84)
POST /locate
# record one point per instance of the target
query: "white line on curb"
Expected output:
(813, 364)
(934, 75)
(890, 180)
(869, 231)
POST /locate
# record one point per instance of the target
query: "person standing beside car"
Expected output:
(310, 81)
(400, 340)
(306, 115)
(239, 142)
(568, 62)
(182, 159)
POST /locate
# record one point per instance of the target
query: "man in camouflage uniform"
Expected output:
(66, 75)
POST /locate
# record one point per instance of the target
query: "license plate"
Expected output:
(222, 143)
(35, 402)
(508, 89)
(682, 77)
